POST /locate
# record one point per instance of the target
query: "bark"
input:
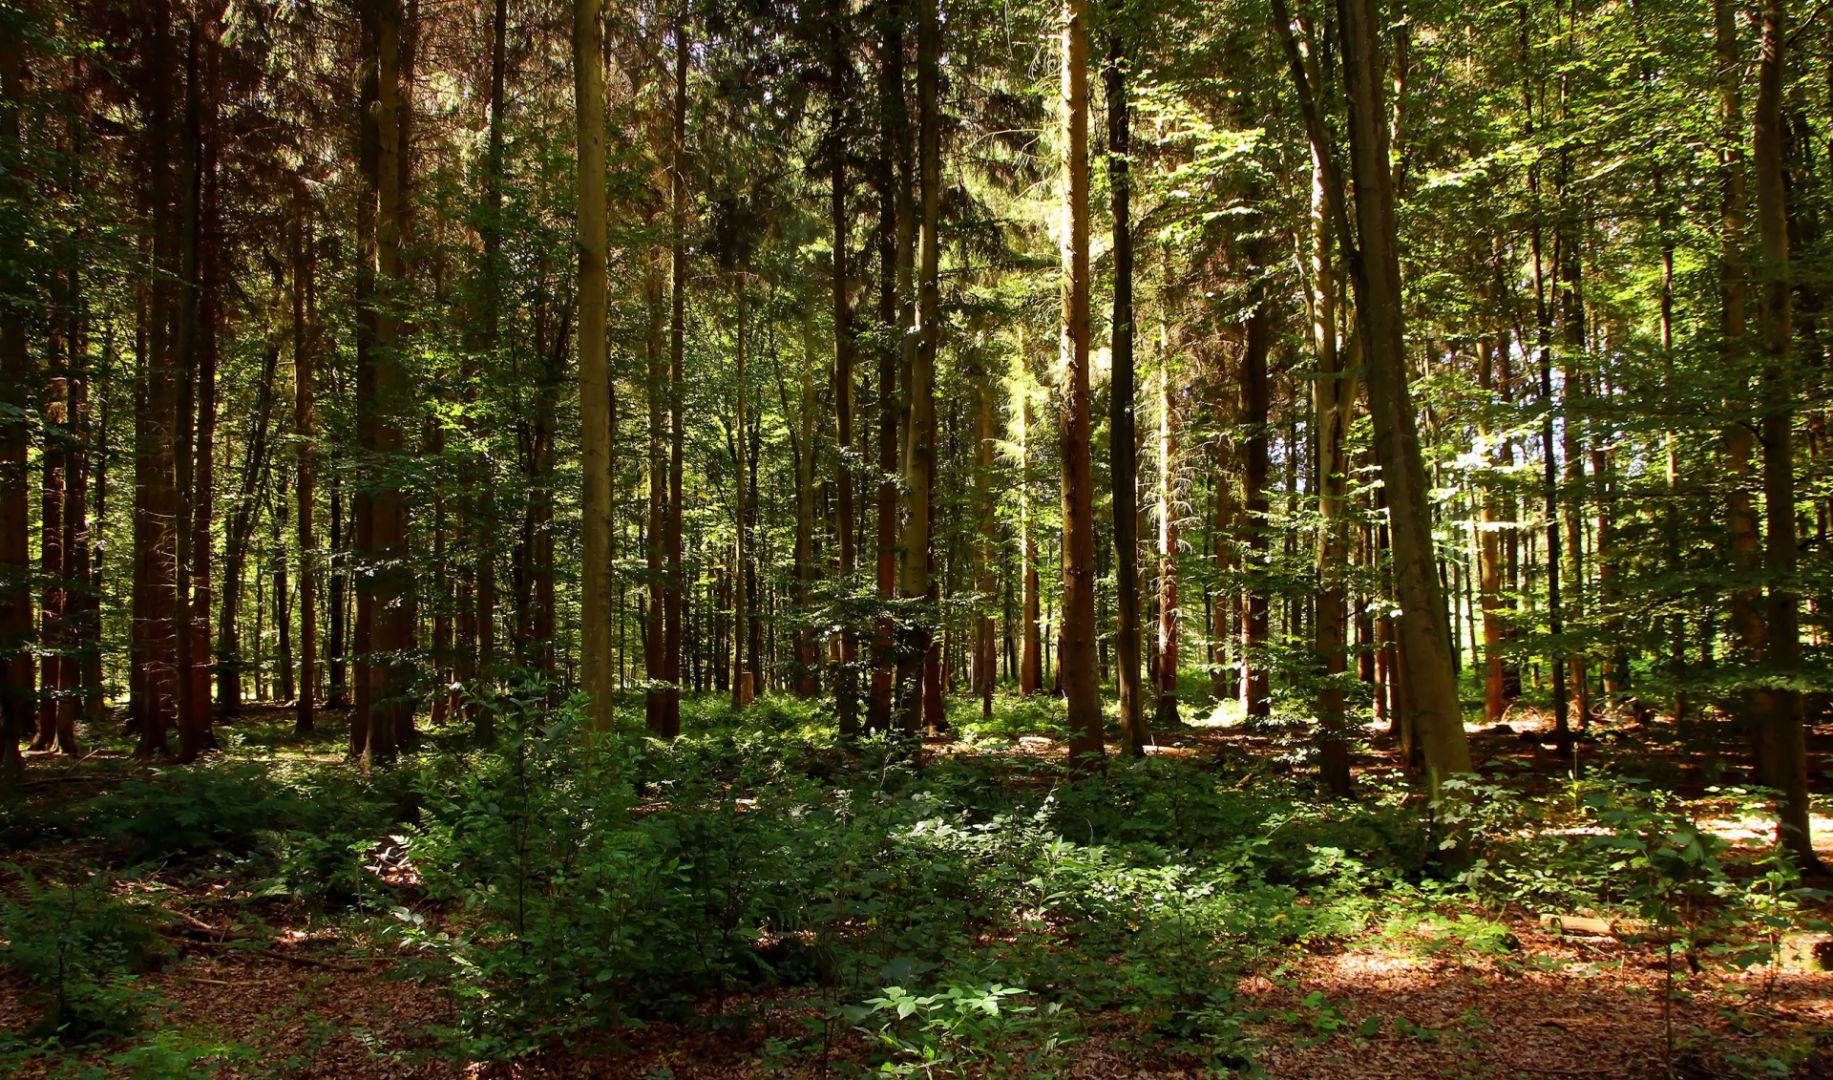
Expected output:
(668, 720)
(1030, 663)
(1747, 622)
(17, 677)
(895, 250)
(197, 732)
(1571, 355)
(1431, 688)
(743, 685)
(384, 701)
(305, 431)
(846, 687)
(1255, 415)
(188, 346)
(1166, 713)
(157, 422)
(985, 656)
(918, 455)
(53, 570)
(1077, 649)
(1489, 557)
(597, 664)
(1333, 401)
(1122, 439)
(1782, 742)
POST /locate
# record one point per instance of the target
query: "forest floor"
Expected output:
(247, 977)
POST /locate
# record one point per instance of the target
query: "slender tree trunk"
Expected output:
(157, 420)
(17, 677)
(1030, 664)
(384, 628)
(305, 431)
(1166, 713)
(1489, 558)
(188, 341)
(985, 657)
(597, 665)
(1572, 325)
(1747, 623)
(52, 567)
(255, 462)
(918, 454)
(668, 722)
(743, 684)
(337, 693)
(655, 533)
(285, 688)
(1431, 688)
(1077, 652)
(1122, 441)
(1782, 742)
(1256, 686)
(846, 687)
(895, 227)
(198, 733)
(1333, 402)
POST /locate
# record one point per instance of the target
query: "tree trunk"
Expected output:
(597, 665)
(846, 686)
(1077, 650)
(17, 677)
(154, 706)
(198, 733)
(1122, 443)
(1782, 742)
(668, 721)
(1333, 402)
(918, 455)
(743, 684)
(1489, 555)
(895, 249)
(384, 704)
(1031, 662)
(1256, 687)
(305, 431)
(1431, 688)
(1166, 714)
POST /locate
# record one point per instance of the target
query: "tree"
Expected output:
(1078, 637)
(16, 666)
(1122, 439)
(1431, 685)
(1782, 741)
(598, 674)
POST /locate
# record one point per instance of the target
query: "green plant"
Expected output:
(956, 1029)
(81, 950)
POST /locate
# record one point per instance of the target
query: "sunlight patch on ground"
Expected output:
(1227, 713)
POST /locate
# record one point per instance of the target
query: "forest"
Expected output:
(932, 538)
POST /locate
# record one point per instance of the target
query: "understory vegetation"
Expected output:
(815, 907)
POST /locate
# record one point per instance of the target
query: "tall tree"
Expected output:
(598, 667)
(384, 703)
(305, 424)
(1782, 742)
(914, 548)
(1077, 655)
(1432, 689)
(1123, 446)
(846, 688)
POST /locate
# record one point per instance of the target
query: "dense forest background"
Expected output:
(636, 507)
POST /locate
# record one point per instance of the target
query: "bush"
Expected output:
(81, 949)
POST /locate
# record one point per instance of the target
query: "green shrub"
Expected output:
(81, 949)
